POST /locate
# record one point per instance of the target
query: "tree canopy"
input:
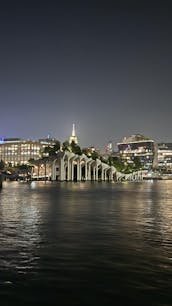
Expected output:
(52, 150)
(75, 148)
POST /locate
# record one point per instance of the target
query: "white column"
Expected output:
(102, 175)
(72, 171)
(86, 171)
(105, 174)
(68, 170)
(89, 172)
(52, 172)
(78, 170)
(62, 170)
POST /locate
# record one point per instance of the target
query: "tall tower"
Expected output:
(73, 137)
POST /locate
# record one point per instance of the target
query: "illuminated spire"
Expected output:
(73, 138)
(73, 130)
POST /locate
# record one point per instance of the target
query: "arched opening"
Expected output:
(99, 173)
(83, 172)
(66, 168)
(108, 175)
(75, 173)
(66, 173)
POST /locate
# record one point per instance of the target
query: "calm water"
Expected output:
(86, 244)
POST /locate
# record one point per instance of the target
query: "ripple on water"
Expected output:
(86, 244)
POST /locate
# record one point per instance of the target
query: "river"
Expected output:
(86, 243)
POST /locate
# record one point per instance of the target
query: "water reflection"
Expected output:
(19, 228)
(154, 215)
(88, 237)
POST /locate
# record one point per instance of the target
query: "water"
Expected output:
(86, 243)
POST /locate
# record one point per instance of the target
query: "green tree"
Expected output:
(52, 150)
(87, 152)
(117, 163)
(137, 163)
(75, 148)
(94, 155)
(47, 150)
(56, 147)
(66, 146)
(32, 161)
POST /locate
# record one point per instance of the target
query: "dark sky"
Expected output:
(104, 65)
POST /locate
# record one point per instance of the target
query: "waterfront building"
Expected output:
(16, 151)
(138, 146)
(73, 138)
(165, 156)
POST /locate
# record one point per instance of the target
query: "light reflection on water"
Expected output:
(19, 228)
(86, 243)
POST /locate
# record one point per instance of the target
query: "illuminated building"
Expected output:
(73, 138)
(15, 151)
(109, 148)
(140, 147)
(165, 156)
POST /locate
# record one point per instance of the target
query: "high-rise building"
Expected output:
(73, 138)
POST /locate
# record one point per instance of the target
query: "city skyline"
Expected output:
(104, 66)
(74, 137)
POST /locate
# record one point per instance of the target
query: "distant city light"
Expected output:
(2, 139)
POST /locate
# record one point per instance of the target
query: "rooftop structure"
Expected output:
(135, 138)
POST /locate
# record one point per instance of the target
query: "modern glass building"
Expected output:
(141, 147)
(165, 156)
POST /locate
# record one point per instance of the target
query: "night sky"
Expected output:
(104, 65)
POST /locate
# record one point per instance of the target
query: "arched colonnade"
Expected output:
(68, 166)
